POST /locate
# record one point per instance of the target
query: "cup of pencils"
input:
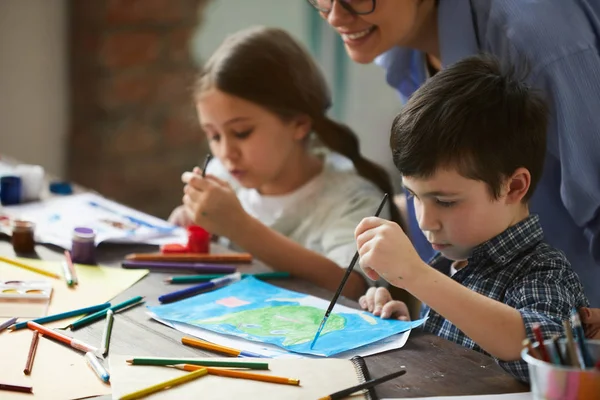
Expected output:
(567, 368)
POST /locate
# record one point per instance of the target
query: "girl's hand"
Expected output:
(180, 217)
(379, 301)
(213, 204)
(385, 251)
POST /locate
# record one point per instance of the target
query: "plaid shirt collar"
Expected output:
(501, 249)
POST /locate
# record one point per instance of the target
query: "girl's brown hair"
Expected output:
(268, 67)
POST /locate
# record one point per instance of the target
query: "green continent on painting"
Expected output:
(297, 324)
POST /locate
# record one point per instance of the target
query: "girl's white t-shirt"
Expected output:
(322, 214)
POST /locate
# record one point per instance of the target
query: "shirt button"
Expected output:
(502, 258)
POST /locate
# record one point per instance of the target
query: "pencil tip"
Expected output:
(129, 361)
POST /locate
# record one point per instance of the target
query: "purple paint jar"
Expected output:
(83, 249)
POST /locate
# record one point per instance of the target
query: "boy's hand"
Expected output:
(379, 302)
(212, 204)
(386, 252)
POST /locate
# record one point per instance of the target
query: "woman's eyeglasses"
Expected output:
(357, 7)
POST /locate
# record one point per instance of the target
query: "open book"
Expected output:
(318, 378)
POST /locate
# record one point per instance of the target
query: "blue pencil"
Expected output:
(213, 283)
(580, 338)
(58, 317)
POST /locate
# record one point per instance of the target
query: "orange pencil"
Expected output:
(218, 348)
(230, 373)
(74, 343)
(192, 257)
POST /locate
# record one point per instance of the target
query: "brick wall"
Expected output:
(133, 124)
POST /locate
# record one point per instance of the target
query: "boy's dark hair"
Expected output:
(474, 116)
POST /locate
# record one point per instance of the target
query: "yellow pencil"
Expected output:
(166, 384)
(29, 267)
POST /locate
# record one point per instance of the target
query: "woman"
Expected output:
(555, 40)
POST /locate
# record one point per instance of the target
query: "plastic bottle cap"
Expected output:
(61, 188)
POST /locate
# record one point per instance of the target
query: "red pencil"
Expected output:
(537, 332)
(15, 388)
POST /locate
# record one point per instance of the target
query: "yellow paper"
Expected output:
(58, 371)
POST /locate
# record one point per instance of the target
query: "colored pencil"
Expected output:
(204, 363)
(97, 367)
(231, 373)
(110, 317)
(193, 257)
(199, 268)
(537, 332)
(16, 388)
(208, 277)
(588, 362)
(7, 323)
(343, 282)
(49, 333)
(531, 350)
(366, 385)
(29, 267)
(60, 316)
(166, 384)
(102, 313)
(558, 357)
(71, 268)
(218, 348)
(31, 355)
(206, 161)
(199, 288)
(571, 349)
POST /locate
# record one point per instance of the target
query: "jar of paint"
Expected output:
(10, 190)
(23, 237)
(32, 181)
(83, 249)
(198, 239)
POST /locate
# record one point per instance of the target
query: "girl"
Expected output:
(259, 98)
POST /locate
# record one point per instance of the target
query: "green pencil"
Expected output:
(208, 277)
(204, 363)
(101, 314)
(65, 315)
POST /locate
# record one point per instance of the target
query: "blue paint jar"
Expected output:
(10, 190)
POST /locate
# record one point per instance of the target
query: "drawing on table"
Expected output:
(260, 312)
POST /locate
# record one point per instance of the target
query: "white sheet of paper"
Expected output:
(508, 396)
(56, 218)
(272, 351)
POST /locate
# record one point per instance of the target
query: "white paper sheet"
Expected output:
(56, 218)
(508, 396)
(272, 351)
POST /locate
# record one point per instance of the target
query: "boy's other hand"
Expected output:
(385, 251)
(379, 302)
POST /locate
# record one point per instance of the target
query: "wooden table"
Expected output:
(435, 366)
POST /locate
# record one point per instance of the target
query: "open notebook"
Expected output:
(318, 378)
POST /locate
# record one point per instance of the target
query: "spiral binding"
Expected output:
(363, 375)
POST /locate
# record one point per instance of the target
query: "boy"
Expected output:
(470, 146)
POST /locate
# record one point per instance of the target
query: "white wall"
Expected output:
(370, 105)
(33, 82)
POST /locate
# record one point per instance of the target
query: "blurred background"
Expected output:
(99, 91)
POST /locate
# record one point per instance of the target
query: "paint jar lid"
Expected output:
(61, 188)
(22, 225)
(84, 234)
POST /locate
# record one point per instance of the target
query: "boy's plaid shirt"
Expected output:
(518, 269)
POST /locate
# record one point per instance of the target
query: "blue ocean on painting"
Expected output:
(260, 312)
